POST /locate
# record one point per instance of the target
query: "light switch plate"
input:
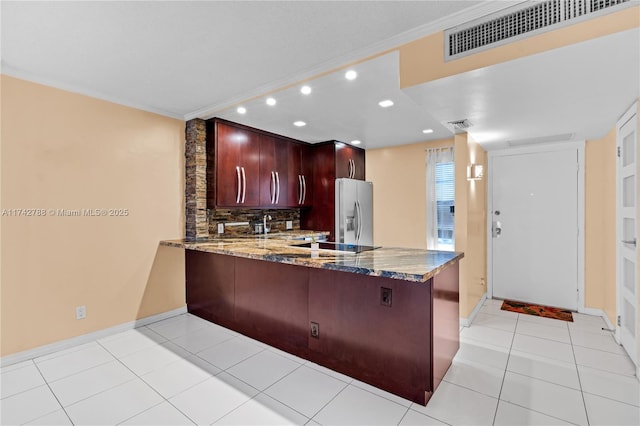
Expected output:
(221, 228)
(289, 224)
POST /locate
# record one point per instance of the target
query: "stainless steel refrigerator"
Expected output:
(354, 212)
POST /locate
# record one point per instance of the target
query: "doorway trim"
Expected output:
(622, 121)
(579, 146)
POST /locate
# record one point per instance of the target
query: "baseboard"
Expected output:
(598, 313)
(86, 338)
(466, 322)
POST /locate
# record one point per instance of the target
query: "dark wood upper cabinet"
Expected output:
(236, 164)
(300, 182)
(349, 161)
(274, 166)
(252, 168)
(331, 160)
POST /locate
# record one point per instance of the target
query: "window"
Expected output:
(445, 192)
(440, 199)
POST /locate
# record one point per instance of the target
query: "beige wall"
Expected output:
(400, 193)
(470, 224)
(600, 224)
(66, 151)
(422, 60)
(476, 231)
(399, 207)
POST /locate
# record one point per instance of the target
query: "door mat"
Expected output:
(538, 310)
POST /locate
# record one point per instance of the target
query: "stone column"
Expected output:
(196, 179)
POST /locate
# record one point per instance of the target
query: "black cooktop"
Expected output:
(352, 248)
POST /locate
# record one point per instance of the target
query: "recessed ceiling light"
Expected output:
(355, 142)
(351, 75)
(271, 101)
(426, 131)
(386, 103)
(299, 123)
(305, 90)
(241, 110)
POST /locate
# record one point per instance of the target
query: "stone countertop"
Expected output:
(293, 234)
(399, 263)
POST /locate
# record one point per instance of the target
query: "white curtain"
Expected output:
(434, 156)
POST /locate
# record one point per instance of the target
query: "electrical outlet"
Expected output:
(385, 296)
(81, 312)
(221, 228)
(289, 224)
(315, 330)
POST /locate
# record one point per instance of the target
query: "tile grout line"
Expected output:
(329, 402)
(506, 366)
(524, 375)
(404, 415)
(55, 396)
(584, 402)
(151, 387)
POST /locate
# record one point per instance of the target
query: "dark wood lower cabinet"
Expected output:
(210, 286)
(272, 304)
(386, 346)
(404, 348)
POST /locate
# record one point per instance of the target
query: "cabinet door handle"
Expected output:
(349, 168)
(299, 189)
(277, 188)
(244, 184)
(304, 189)
(239, 193)
(272, 190)
(354, 169)
(359, 219)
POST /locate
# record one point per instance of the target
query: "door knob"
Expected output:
(632, 242)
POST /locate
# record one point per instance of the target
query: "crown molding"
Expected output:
(482, 9)
(38, 79)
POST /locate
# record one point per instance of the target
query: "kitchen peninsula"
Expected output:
(388, 317)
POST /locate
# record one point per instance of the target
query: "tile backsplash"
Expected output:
(278, 220)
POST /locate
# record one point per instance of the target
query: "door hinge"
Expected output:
(619, 321)
(619, 150)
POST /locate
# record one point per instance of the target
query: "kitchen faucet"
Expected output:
(264, 223)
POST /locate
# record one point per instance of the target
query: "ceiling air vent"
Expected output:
(520, 21)
(459, 125)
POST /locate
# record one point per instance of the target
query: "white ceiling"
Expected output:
(579, 90)
(201, 59)
(178, 58)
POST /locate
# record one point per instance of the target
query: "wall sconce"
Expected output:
(475, 172)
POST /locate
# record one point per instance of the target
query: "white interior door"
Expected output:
(627, 232)
(534, 210)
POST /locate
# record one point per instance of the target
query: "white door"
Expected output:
(627, 232)
(534, 210)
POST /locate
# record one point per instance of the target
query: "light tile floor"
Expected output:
(511, 369)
